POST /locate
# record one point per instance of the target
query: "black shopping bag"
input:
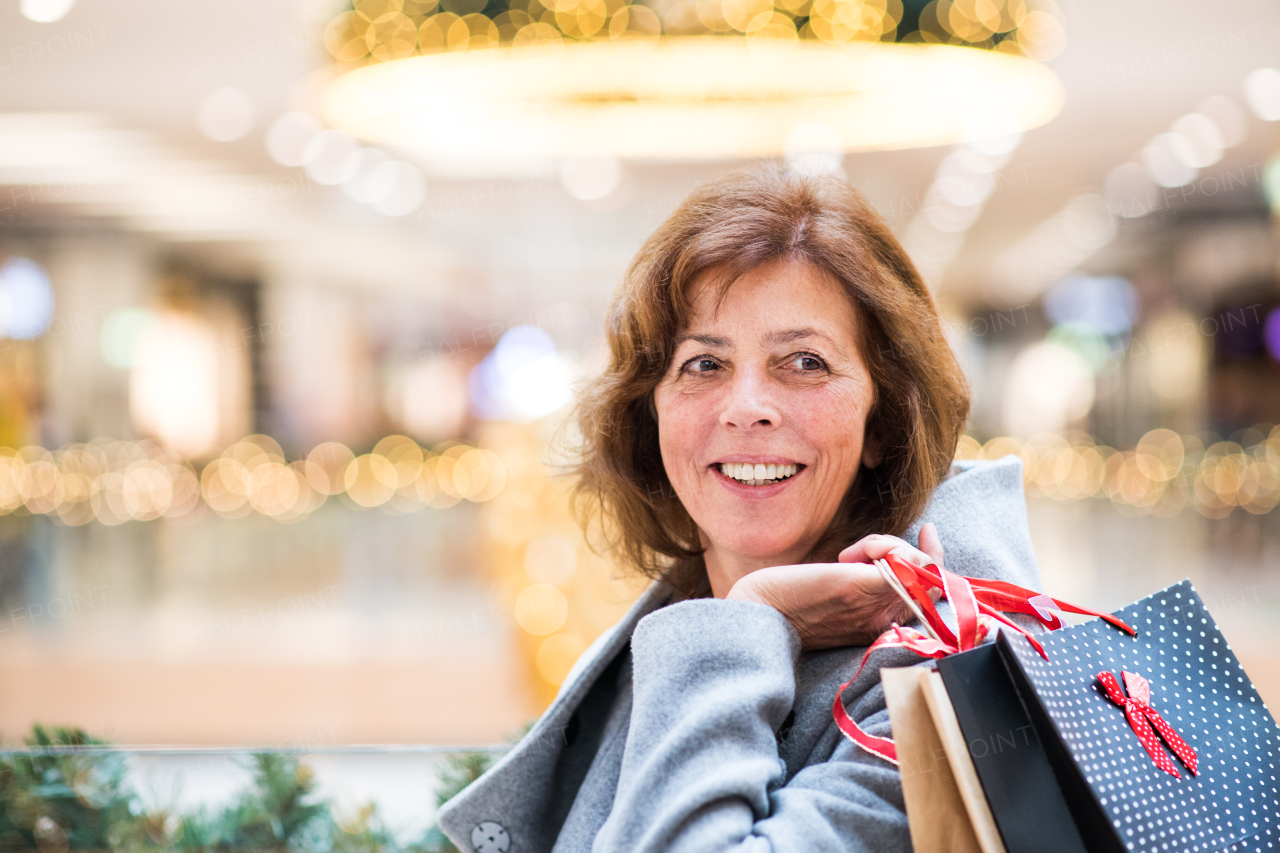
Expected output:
(1064, 769)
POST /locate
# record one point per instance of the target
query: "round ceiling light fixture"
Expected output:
(684, 98)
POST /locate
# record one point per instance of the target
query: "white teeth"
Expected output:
(757, 475)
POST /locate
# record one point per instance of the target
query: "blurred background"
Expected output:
(294, 296)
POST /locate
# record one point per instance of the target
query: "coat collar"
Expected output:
(517, 788)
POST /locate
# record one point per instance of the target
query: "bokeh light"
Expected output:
(121, 334)
(359, 187)
(551, 559)
(1165, 474)
(523, 379)
(26, 299)
(1227, 117)
(174, 383)
(226, 114)
(1178, 375)
(289, 136)
(1206, 140)
(328, 159)
(1107, 304)
(396, 188)
(557, 655)
(384, 30)
(541, 609)
(370, 480)
(326, 467)
(428, 398)
(1168, 159)
(1130, 190)
(1262, 93)
(1271, 183)
(1050, 388)
(46, 11)
(1271, 333)
(113, 482)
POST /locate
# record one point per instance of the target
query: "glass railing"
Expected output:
(63, 791)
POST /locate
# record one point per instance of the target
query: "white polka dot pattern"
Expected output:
(1200, 689)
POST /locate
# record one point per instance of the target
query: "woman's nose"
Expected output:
(750, 402)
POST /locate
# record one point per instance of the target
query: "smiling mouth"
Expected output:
(758, 475)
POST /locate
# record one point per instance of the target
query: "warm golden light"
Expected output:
(701, 97)
(1165, 474)
(174, 384)
(557, 655)
(541, 608)
(113, 482)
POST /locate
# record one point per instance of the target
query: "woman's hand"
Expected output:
(840, 604)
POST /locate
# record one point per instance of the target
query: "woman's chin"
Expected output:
(766, 547)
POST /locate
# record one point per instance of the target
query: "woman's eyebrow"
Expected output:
(791, 335)
(705, 340)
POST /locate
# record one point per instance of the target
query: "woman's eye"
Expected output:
(808, 363)
(701, 365)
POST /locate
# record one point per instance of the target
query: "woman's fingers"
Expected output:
(930, 543)
(869, 548)
(874, 547)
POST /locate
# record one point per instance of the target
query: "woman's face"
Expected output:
(761, 414)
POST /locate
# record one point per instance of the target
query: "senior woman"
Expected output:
(779, 407)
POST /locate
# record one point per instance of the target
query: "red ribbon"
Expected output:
(1142, 717)
(977, 603)
(895, 637)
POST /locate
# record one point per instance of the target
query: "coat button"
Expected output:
(490, 837)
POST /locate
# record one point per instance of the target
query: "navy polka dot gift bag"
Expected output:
(1137, 731)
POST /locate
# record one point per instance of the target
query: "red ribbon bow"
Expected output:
(977, 603)
(1141, 716)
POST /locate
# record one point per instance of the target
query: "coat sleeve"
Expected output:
(713, 682)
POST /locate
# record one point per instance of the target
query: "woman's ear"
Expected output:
(872, 455)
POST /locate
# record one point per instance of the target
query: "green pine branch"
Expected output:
(56, 803)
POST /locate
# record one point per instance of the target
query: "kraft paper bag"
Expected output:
(946, 808)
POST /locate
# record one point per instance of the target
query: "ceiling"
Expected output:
(98, 119)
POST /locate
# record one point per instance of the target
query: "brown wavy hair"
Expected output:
(724, 229)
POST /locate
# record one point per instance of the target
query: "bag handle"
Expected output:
(977, 603)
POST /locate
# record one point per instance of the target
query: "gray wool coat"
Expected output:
(701, 726)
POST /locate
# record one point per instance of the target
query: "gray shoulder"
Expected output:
(980, 511)
(1003, 475)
